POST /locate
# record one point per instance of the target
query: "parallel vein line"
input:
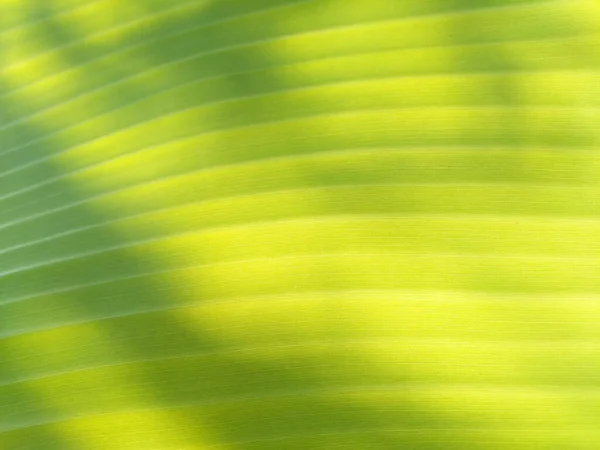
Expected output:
(296, 119)
(294, 296)
(253, 398)
(257, 261)
(340, 344)
(286, 91)
(337, 187)
(197, 232)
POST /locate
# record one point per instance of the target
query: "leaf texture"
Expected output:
(299, 224)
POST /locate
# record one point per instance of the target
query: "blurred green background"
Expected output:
(309, 224)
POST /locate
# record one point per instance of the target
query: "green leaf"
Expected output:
(299, 224)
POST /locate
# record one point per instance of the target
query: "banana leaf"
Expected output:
(299, 224)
